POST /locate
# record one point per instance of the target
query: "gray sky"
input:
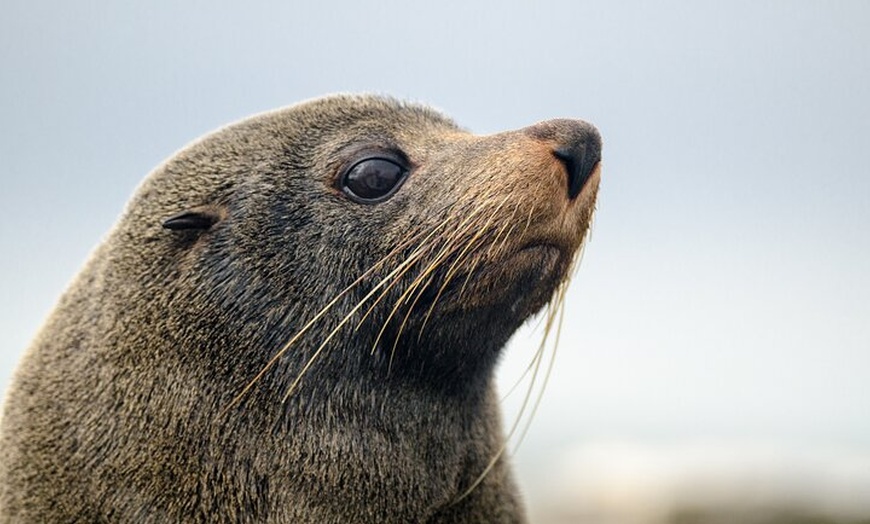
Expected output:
(726, 289)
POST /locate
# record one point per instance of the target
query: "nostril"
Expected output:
(579, 162)
(575, 143)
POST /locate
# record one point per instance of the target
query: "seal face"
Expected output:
(297, 319)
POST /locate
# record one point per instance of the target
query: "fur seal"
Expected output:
(296, 319)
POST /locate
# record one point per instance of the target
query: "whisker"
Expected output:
(392, 277)
(561, 294)
(400, 270)
(548, 372)
(491, 253)
(455, 265)
(426, 246)
(497, 245)
(419, 285)
(445, 252)
(537, 364)
(416, 254)
(450, 249)
(281, 352)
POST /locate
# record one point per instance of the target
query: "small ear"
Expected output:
(199, 219)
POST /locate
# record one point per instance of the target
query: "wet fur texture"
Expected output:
(162, 387)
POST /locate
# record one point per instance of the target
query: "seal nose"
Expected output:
(576, 144)
(579, 159)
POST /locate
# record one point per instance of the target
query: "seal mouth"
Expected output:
(538, 263)
(525, 280)
(546, 258)
(530, 272)
(543, 246)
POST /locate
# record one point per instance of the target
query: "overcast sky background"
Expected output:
(725, 292)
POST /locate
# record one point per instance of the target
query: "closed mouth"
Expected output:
(547, 249)
(545, 255)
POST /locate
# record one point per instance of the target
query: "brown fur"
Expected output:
(138, 402)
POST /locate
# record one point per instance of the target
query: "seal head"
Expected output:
(297, 319)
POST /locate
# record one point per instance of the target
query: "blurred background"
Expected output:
(714, 365)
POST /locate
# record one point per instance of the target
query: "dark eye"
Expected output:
(373, 180)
